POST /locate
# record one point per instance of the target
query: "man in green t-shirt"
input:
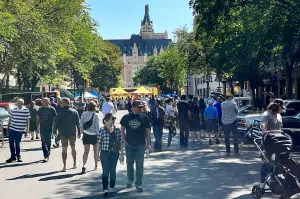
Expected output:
(45, 119)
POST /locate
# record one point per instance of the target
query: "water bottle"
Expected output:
(147, 153)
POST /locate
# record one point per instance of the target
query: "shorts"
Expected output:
(212, 126)
(65, 140)
(194, 125)
(89, 139)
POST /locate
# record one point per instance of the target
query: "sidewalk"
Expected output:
(202, 172)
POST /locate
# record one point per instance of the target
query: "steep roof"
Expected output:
(143, 45)
(147, 16)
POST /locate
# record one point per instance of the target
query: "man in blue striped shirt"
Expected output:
(17, 125)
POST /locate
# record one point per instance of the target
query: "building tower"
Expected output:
(146, 25)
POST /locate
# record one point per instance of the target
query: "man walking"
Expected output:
(44, 123)
(18, 124)
(229, 116)
(183, 114)
(158, 122)
(137, 128)
(67, 123)
(211, 118)
(107, 107)
(58, 109)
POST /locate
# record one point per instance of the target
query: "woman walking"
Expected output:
(110, 146)
(171, 113)
(202, 107)
(33, 109)
(195, 119)
(90, 126)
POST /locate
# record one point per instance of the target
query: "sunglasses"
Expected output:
(113, 118)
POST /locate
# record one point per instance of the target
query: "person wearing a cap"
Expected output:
(229, 117)
(158, 122)
(135, 129)
(211, 118)
(271, 123)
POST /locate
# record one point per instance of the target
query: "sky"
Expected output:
(119, 19)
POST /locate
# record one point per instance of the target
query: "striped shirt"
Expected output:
(18, 119)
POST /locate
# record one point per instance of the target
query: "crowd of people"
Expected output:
(68, 121)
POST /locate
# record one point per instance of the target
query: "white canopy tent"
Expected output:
(88, 95)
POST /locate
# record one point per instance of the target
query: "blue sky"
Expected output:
(119, 19)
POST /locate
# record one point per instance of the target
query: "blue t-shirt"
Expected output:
(210, 113)
(219, 109)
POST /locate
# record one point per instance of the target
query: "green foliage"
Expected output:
(48, 41)
(247, 37)
(167, 70)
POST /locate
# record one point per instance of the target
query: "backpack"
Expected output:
(89, 123)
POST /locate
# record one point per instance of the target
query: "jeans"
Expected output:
(158, 132)
(184, 132)
(170, 137)
(135, 154)
(57, 139)
(227, 129)
(109, 160)
(15, 138)
(46, 143)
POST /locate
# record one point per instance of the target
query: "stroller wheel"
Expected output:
(257, 192)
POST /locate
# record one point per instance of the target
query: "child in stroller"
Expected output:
(279, 171)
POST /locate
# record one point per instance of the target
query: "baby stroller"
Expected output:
(283, 172)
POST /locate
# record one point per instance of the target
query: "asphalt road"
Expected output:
(202, 172)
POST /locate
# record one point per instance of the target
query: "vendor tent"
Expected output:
(142, 90)
(87, 95)
(119, 91)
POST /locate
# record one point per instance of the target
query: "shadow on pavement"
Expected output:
(58, 177)
(16, 164)
(31, 149)
(33, 175)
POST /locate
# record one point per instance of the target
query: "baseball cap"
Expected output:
(280, 102)
(138, 103)
(229, 95)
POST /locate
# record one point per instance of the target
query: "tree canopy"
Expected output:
(46, 41)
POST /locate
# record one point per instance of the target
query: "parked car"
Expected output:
(293, 107)
(4, 118)
(246, 117)
(291, 126)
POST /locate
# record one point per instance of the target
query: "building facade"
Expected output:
(139, 48)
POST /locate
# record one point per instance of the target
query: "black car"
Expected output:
(291, 126)
(293, 107)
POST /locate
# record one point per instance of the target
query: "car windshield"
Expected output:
(3, 113)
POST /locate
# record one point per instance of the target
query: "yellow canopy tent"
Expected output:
(142, 90)
(119, 91)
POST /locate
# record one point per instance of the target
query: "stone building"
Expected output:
(136, 51)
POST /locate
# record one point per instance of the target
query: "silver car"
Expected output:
(246, 117)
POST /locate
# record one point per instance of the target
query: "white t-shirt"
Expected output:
(108, 107)
(170, 111)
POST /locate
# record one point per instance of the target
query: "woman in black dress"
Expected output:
(195, 119)
(202, 107)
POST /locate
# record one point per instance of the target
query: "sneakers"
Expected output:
(64, 169)
(83, 170)
(210, 143)
(237, 154)
(217, 141)
(112, 190)
(37, 137)
(140, 189)
(55, 145)
(129, 184)
(105, 192)
(75, 165)
(11, 159)
(19, 159)
(32, 139)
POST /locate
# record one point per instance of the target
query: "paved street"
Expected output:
(200, 172)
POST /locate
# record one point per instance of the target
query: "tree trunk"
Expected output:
(207, 89)
(289, 82)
